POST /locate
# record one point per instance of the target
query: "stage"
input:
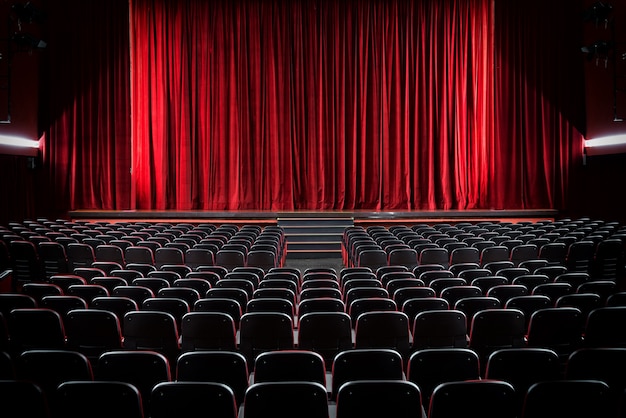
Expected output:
(358, 217)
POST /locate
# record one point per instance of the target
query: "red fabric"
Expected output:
(87, 115)
(322, 105)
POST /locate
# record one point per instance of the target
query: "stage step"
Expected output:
(315, 237)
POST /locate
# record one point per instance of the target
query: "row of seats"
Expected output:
(587, 245)
(38, 250)
(209, 327)
(322, 321)
(436, 383)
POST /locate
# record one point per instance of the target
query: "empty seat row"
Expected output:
(583, 245)
(94, 330)
(434, 383)
(36, 250)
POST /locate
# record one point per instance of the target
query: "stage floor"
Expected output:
(361, 216)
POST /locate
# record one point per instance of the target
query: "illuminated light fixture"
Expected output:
(16, 141)
(613, 144)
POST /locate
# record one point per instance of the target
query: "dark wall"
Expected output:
(598, 187)
(19, 103)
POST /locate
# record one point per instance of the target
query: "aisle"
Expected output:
(304, 263)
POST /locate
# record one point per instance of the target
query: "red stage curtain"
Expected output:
(316, 105)
(86, 113)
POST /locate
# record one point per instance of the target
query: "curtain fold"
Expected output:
(85, 113)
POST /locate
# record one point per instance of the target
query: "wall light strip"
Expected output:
(606, 141)
(614, 144)
(16, 141)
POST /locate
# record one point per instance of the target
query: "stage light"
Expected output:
(16, 141)
(613, 144)
(598, 12)
(599, 50)
(15, 145)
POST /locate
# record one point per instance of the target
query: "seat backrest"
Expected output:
(108, 252)
(531, 280)
(585, 302)
(87, 291)
(78, 398)
(63, 304)
(140, 368)
(80, 255)
(49, 368)
(453, 293)
(567, 398)
(364, 292)
(522, 367)
(230, 259)
(153, 283)
(289, 365)
(603, 327)
(24, 261)
(168, 255)
(432, 366)
(264, 331)
(223, 366)
(435, 255)
(24, 398)
(393, 398)
(402, 294)
(188, 294)
(93, 331)
(383, 329)
(286, 399)
(327, 333)
(151, 330)
(505, 292)
(35, 328)
(441, 283)
(607, 364)
(10, 301)
(474, 398)
(439, 329)
(170, 399)
(196, 257)
(136, 293)
(177, 307)
(470, 305)
(37, 290)
(208, 331)
(365, 364)
(493, 329)
(494, 253)
(53, 258)
(271, 305)
(139, 254)
(465, 255)
(360, 306)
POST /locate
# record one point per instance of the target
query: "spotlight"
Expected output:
(598, 12)
(599, 50)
